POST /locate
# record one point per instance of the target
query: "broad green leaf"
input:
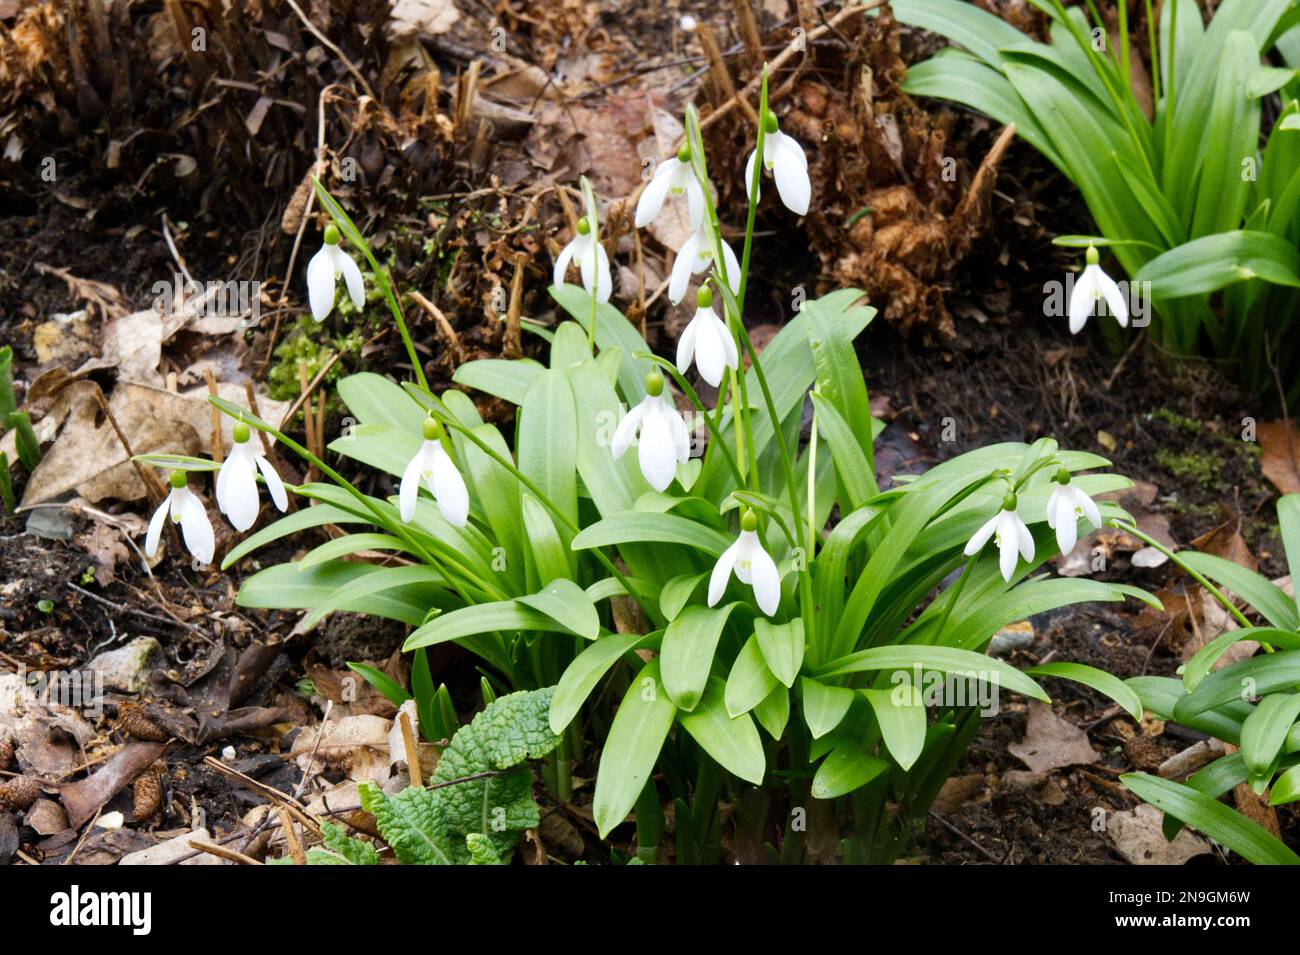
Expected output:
(732, 741)
(944, 659)
(1225, 826)
(548, 556)
(686, 655)
(1200, 665)
(782, 646)
(900, 711)
(750, 681)
(1265, 730)
(1257, 676)
(501, 615)
(846, 768)
(613, 331)
(824, 706)
(635, 527)
(1286, 788)
(380, 580)
(284, 587)
(548, 442)
(581, 676)
(1099, 680)
(299, 520)
(1160, 695)
(350, 544)
(1216, 261)
(774, 712)
(568, 605)
(375, 399)
(677, 592)
(503, 378)
(1288, 519)
(628, 759)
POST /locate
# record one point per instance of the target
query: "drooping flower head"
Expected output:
(663, 441)
(1010, 534)
(434, 466)
(752, 565)
(672, 177)
(784, 158)
(593, 262)
(696, 255)
(1064, 507)
(1092, 285)
(707, 341)
(237, 481)
(188, 511)
(322, 271)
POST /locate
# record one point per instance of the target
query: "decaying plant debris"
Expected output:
(455, 135)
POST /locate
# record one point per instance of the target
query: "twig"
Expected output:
(152, 488)
(961, 835)
(218, 453)
(444, 326)
(1119, 365)
(291, 837)
(220, 851)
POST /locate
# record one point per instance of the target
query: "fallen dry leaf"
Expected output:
(1279, 444)
(1139, 838)
(1051, 742)
(83, 799)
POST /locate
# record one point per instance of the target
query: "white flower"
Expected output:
(707, 341)
(326, 266)
(664, 441)
(696, 255)
(1011, 535)
(433, 465)
(673, 177)
(1064, 506)
(592, 260)
(752, 564)
(237, 482)
(188, 511)
(1090, 286)
(784, 158)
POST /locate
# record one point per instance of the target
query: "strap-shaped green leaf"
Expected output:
(750, 681)
(732, 741)
(782, 645)
(1099, 680)
(686, 655)
(568, 605)
(637, 526)
(588, 667)
(900, 711)
(847, 767)
(637, 734)
(1265, 730)
(500, 615)
(945, 659)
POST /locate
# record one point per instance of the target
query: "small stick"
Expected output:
(444, 326)
(220, 851)
(291, 837)
(251, 395)
(749, 32)
(412, 751)
(513, 345)
(718, 70)
(218, 453)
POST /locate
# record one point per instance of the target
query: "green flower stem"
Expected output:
(1218, 594)
(380, 517)
(652, 613)
(589, 200)
(752, 196)
(349, 229)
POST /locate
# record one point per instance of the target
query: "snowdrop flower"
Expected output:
(433, 465)
(752, 564)
(592, 261)
(784, 158)
(673, 177)
(1011, 535)
(1090, 286)
(707, 341)
(696, 255)
(1064, 506)
(663, 442)
(326, 266)
(188, 511)
(237, 482)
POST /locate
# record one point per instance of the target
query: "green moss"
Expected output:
(1200, 469)
(1178, 421)
(312, 344)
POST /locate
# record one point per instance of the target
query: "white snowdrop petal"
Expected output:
(1089, 508)
(562, 263)
(604, 277)
(683, 268)
(1082, 299)
(156, 527)
(626, 430)
(409, 491)
(320, 284)
(1052, 500)
(791, 173)
(651, 201)
(981, 536)
(352, 276)
(1114, 298)
(749, 177)
(733, 267)
(449, 488)
(655, 451)
(1023, 538)
(766, 580)
(196, 529)
(710, 351)
(722, 573)
(695, 202)
(273, 483)
(1066, 525)
(240, 503)
(686, 346)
